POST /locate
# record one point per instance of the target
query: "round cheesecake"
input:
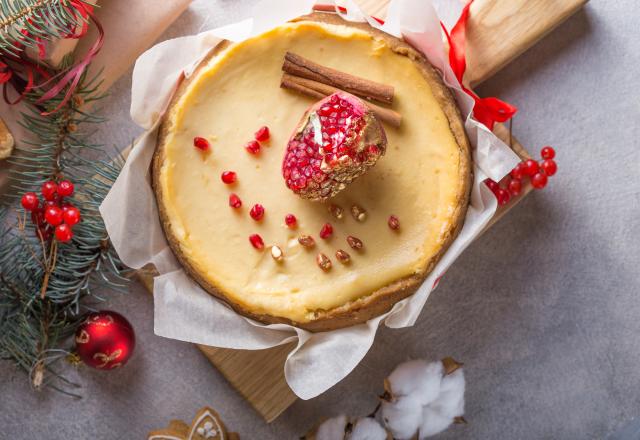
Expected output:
(423, 180)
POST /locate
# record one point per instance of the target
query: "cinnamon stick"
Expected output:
(318, 90)
(298, 66)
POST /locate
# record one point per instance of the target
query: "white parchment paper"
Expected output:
(186, 312)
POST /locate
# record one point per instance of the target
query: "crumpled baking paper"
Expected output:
(183, 310)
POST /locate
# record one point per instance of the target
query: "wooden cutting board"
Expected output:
(497, 32)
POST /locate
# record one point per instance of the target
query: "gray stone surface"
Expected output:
(543, 309)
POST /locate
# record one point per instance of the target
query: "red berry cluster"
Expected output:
(54, 216)
(537, 172)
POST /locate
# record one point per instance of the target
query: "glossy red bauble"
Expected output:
(105, 340)
(71, 215)
(539, 180)
(65, 188)
(547, 152)
(63, 233)
(549, 167)
(30, 201)
(530, 167)
(49, 190)
(53, 215)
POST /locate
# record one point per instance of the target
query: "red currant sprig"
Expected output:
(54, 216)
(538, 174)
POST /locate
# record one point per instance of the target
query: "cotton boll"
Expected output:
(368, 428)
(332, 429)
(450, 402)
(433, 422)
(402, 416)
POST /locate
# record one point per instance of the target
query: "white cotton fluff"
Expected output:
(332, 429)
(418, 378)
(402, 416)
(451, 399)
(433, 422)
(368, 428)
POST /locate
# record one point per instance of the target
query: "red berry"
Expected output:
(290, 220)
(326, 231)
(503, 196)
(256, 241)
(530, 167)
(549, 167)
(49, 190)
(257, 212)
(53, 215)
(65, 188)
(201, 143)
(253, 147)
(30, 201)
(547, 153)
(262, 134)
(37, 217)
(515, 186)
(44, 232)
(234, 201)
(519, 171)
(63, 233)
(539, 180)
(228, 177)
(493, 186)
(71, 215)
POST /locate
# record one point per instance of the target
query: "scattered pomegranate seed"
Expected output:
(393, 222)
(229, 177)
(306, 241)
(30, 201)
(262, 134)
(63, 233)
(503, 196)
(343, 256)
(49, 190)
(277, 254)
(515, 186)
(549, 167)
(323, 262)
(71, 215)
(358, 213)
(290, 220)
(252, 147)
(531, 167)
(547, 152)
(53, 215)
(326, 231)
(354, 242)
(257, 212)
(234, 201)
(539, 180)
(336, 211)
(201, 143)
(256, 241)
(65, 188)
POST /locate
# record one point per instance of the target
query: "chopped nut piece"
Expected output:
(276, 254)
(323, 262)
(306, 241)
(358, 213)
(354, 242)
(343, 256)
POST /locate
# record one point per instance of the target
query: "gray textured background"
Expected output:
(544, 309)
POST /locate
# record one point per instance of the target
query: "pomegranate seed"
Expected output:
(531, 167)
(539, 180)
(63, 233)
(306, 241)
(354, 242)
(234, 201)
(256, 241)
(71, 215)
(228, 177)
(290, 220)
(358, 213)
(252, 147)
(515, 186)
(323, 262)
(547, 152)
(393, 222)
(326, 231)
(262, 134)
(30, 201)
(519, 171)
(65, 188)
(549, 167)
(343, 256)
(49, 190)
(257, 212)
(53, 215)
(201, 143)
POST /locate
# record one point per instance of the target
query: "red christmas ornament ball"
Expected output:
(105, 340)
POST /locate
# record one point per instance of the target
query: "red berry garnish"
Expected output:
(262, 134)
(492, 185)
(201, 143)
(49, 190)
(503, 196)
(326, 231)
(65, 188)
(549, 167)
(30, 201)
(256, 241)
(53, 215)
(515, 186)
(71, 215)
(37, 217)
(290, 220)
(519, 171)
(252, 147)
(539, 180)
(547, 153)
(234, 201)
(257, 212)
(530, 167)
(44, 232)
(63, 233)
(228, 177)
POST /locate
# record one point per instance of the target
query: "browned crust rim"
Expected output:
(381, 300)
